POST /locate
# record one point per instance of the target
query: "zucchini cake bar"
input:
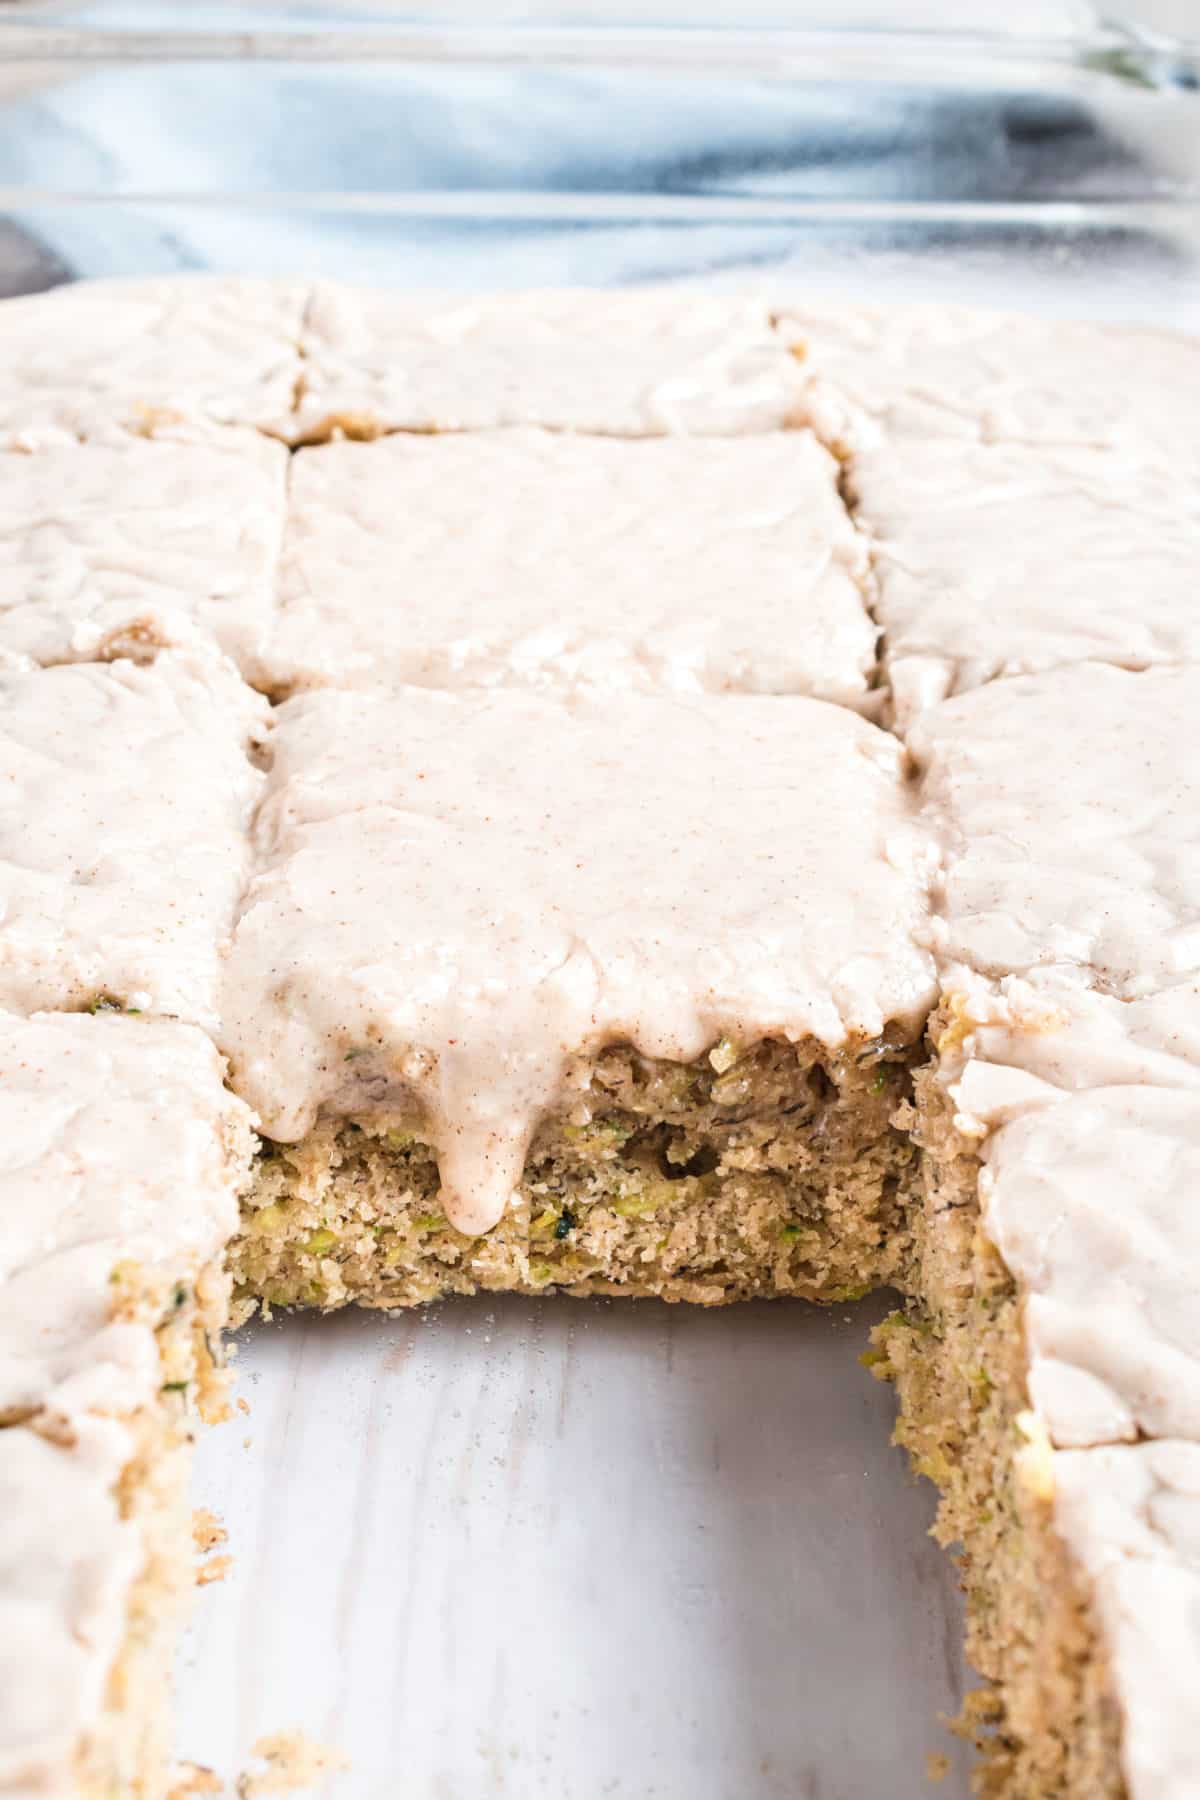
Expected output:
(190, 558)
(628, 824)
(606, 1027)
(122, 1155)
(127, 790)
(718, 564)
(961, 596)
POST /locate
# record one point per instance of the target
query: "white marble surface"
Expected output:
(562, 1549)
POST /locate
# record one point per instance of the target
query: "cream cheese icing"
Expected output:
(1087, 1109)
(118, 1144)
(1063, 807)
(120, 548)
(125, 794)
(1131, 1514)
(102, 358)
(875, 375)
(1022, 1048)
(1092, 1204)
(458, 894)
(634, 364)
(497, 558)
(1002, 559)
(67, 1564)
(1066, 805)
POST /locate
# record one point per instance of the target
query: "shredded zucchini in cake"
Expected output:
(769, 1169)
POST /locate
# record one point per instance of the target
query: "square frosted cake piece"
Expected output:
(1131, 1516)
(69, 1567)
(1110, 1285)
(113, 550)
(524, 557)
(530, 991)
(900, 375)
(1065, 805)
(1009, 559)
(122, 1155)
(639, 363)
(101, 359)
(125, 795)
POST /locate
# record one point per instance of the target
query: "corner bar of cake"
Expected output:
(1066, 804)
(122, 1155)
(1007, 559)
(1010, 1047)
(111, 550)
(1131, 1516)
(1059, 1126)
(186, 354)
(528, 558)
(1087, 1125)
(901, 375)
(126, 795)
(70, 1567)
(641, 363)
(535, 992)
(1091, 1202)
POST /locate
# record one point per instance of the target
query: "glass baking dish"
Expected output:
(770, 1618)
(1043, 157)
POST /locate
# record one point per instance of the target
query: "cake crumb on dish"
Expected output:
(192, 1779)
(292, 1761)
(207, 1530)
(215, 1569)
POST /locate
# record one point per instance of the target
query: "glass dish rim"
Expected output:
(1120, 49)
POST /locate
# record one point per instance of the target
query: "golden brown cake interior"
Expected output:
(770, 1170)
(1045, 1722)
